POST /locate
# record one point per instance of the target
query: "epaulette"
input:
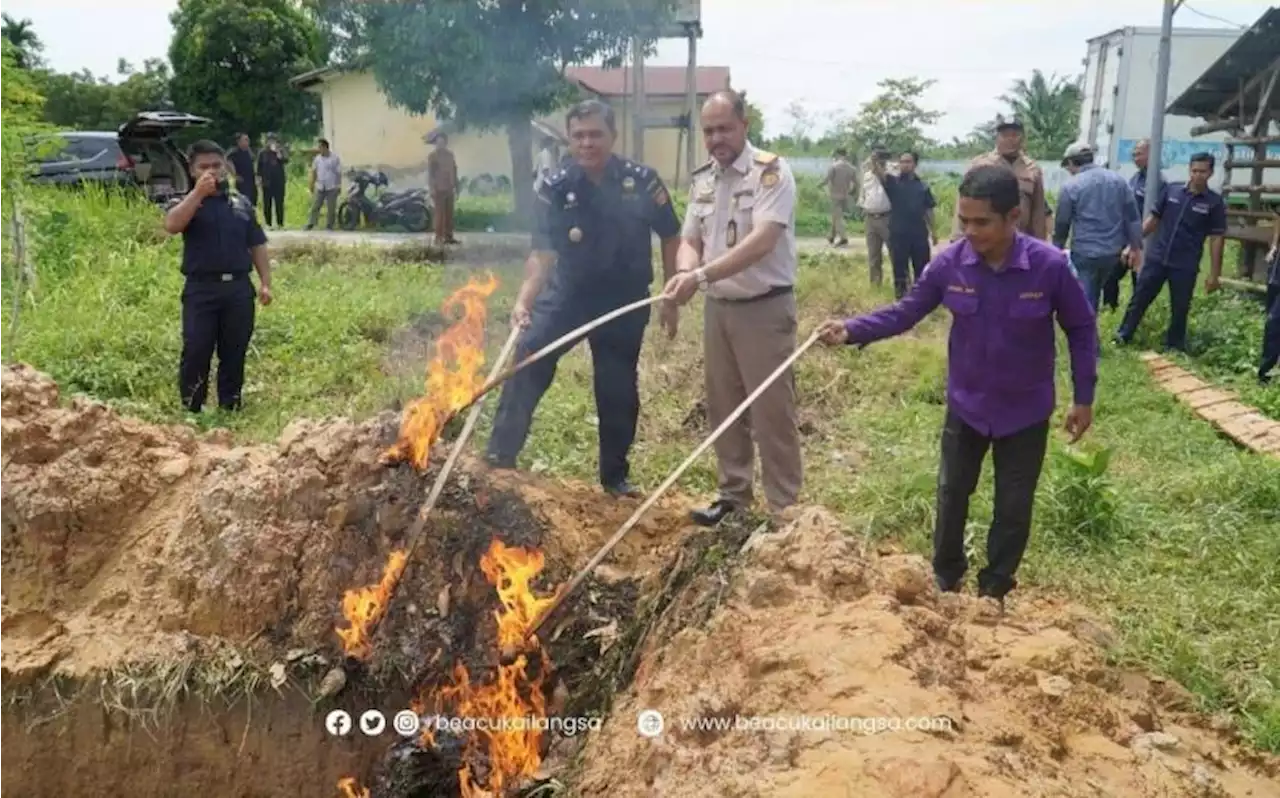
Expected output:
(556, 178)
(705, 167)
(765, 157)
(638, 169)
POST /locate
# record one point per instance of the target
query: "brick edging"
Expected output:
(1243, 424)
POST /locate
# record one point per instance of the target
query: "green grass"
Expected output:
(1174, 532)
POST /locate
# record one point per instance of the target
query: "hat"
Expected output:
(1076, 150)
(1013, 123)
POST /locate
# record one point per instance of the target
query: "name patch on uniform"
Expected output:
(1200, 208)
(1031, 295)
(961, 289)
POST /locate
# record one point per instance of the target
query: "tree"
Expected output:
(232, 61)
(1049, 108)
(755, 122)
(81, 101)
(489, 65)
(26, 44)
(802, 123)
(893, 119)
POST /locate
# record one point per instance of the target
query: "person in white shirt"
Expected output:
(875, 214)
(546, 162)
(326, 183)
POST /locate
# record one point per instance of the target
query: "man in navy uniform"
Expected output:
(592, 253)
(222, 243)
(1185, 215)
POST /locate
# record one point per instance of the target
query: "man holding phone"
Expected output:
(222, 243)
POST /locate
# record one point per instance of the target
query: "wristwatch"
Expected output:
(701, 275)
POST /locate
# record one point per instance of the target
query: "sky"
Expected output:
(826, 55)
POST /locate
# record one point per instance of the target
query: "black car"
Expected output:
(138, 155)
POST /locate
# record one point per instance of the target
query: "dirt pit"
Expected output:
(169, 604)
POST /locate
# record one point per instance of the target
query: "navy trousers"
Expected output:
(1271, 333)
(1182, 285)
(615, 353)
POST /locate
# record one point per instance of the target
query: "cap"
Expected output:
(1076, 150)
(1012, 123)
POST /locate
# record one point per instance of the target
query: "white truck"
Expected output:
(1119, 92)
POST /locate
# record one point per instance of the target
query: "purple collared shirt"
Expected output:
(1000, 377)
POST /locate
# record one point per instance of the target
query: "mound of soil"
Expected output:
(812, 626)
(158, 573)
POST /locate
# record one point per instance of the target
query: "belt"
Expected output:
(876, 213)
(217, 277)
(777, 290)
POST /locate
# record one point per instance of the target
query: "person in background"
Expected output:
(1004, 290)
(875, 213)
(271, 163)
(1181, 220)
(841, 182)
(221, 244)
(1034, 214)
(325, 184)
(1097, 210)
(1271, 330)
(545, 162)
(910, 220)
(442, 177)
(241, 159)
(1138, 183)
(592, 253)
(739, 247)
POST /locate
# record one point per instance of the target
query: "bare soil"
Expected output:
(169, 603)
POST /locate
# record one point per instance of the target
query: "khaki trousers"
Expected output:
(443, 210)
(838, 207)
(877, 241)
(745, 342)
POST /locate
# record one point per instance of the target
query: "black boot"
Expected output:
(714, 514)
(623, 489)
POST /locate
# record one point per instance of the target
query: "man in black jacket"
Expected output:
(271, 163)
(241, 159)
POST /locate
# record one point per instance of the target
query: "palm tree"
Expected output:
(1049, 108)
(22, 36)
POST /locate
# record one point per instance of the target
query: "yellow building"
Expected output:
(367, 132)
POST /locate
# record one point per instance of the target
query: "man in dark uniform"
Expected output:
(593, 252)
(910, 220)
(221, 243)
(1271, 330)
(271, 162)
(1182, 219)
(242, 160)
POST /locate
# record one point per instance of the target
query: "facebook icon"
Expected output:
(338, 723)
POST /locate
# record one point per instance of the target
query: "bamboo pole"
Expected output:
(630, 523)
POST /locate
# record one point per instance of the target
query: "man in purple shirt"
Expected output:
(1004, 290)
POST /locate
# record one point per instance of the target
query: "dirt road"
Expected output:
(377, 239)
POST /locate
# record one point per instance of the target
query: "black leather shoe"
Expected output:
(947, 587)
(623, 488)
(714, 514)
(498, 461)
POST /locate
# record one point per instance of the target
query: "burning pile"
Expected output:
(448, 389)
(502, 717)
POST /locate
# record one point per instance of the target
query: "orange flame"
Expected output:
(352, 789)
(447, 389)
(364, 607)
(515, 752)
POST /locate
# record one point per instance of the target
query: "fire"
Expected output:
(510, 754)
(447, 389)
(364, 607)
(352, 789)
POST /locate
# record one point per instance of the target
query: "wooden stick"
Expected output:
(630, 523)
(497, 379)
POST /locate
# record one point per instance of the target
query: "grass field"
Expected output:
(1176, 539)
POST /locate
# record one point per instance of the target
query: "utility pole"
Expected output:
(638, 110)
(1161, 100)
(691, 101)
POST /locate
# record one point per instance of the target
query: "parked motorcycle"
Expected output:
(405, 209)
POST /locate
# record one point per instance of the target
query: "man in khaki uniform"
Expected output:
(739, 246)
(842, 183)
(1034, 220)
(875, 213)
(442, 176)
